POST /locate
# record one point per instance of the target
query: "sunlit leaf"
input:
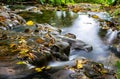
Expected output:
(21, 62)
(43, 67)
(22, 40)
(23, 51)
(29, 23)
(38, 69)
(79, 64)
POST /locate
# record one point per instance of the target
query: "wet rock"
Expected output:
(115, 49)
(118, 35)
(33, 9)
(40, 59)
(70, 35)
(9, 20)
(83, 69)
(78, 44)
(35, 48)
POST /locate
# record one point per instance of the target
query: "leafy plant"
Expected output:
(118, 70)
(60, 2)
(106, 2)
(110, 2)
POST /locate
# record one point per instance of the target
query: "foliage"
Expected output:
(54, 2)
(115, 13)
(107, 2)
(118, 66)
(61, 2)
(64, 2)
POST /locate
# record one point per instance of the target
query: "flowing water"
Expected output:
(85, 27)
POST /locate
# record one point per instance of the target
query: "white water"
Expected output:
(86, 29)
(111, 35)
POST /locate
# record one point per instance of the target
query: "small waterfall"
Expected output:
(111, 35)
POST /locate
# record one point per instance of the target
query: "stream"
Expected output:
(86, 26)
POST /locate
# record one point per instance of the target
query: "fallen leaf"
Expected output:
(2, 19)
(21, 62)
(39, 40)
(38, 69)
(23, 51)
(95, 16)
(29, 23)
(79, 64)
(12, 45)
(47, 35)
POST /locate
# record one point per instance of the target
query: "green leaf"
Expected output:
(110, 2)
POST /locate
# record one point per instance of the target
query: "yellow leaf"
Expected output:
(29, 23)
(21, 62)
(79, 64)
(23, 51)
(39, 40)
(12, 45)
(103, 71)
(38, 69)
(43, 67)
(22, 41)
(47, 35)
(95, 16)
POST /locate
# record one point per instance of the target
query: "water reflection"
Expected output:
(54, 18)
(86, 29)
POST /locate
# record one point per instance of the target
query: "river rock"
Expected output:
(83, 69)
(8, 19)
